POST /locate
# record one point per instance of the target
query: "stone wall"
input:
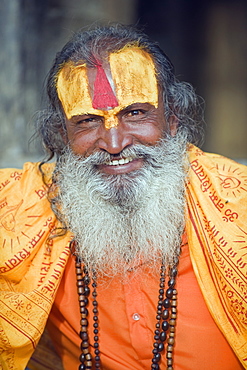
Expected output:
(206, 41)
(31, 32)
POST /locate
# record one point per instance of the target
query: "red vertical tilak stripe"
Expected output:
(104, 96)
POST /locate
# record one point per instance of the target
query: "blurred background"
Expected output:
(206, 40)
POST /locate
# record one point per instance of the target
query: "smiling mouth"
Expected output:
(119, 162)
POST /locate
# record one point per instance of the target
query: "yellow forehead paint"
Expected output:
(73, 89)
(134, 76)
(134, 80)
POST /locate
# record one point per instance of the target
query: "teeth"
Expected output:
(121, 161)
(116, 162)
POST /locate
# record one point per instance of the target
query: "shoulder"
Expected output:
(22, 195)
(217, 186)
(24, 180)
(213, 172)
(211, 160)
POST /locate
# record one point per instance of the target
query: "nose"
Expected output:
(114, 139)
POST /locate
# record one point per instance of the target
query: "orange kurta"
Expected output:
(31, 270)
(127, 321)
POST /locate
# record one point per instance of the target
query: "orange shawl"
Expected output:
(217, 235)
(31, 268)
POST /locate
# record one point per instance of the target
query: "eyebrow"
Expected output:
(123, 110)
(134, 105)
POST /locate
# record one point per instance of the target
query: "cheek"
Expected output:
(81, 143)
(151, 133)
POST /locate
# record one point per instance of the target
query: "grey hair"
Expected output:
(180, 99)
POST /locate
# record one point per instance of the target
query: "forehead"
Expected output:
(131, 75)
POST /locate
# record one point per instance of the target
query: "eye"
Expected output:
(87, 121)
(135, 112)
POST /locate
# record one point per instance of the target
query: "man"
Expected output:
(120, 219)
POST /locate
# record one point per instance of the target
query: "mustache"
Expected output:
(150, 154)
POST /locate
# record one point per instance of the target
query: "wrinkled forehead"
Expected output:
(126, 77)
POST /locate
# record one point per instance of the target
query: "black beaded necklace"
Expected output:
(164, 333)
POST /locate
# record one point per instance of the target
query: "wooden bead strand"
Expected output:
(83, 291)
(171, 293)
(158, 345)
(166, 316)
(96, 322)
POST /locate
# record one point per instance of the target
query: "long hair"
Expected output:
(87, 47)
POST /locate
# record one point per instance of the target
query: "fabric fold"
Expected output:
(31, 264)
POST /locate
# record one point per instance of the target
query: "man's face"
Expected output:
(115, 118)
(113, 112)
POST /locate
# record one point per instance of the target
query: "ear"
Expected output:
(173, 124)
(63, 133)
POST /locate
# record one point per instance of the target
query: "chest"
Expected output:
(127, 318)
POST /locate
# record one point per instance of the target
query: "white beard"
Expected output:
(120, 221)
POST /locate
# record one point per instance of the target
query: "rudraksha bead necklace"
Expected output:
(164, 333)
